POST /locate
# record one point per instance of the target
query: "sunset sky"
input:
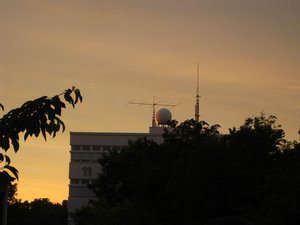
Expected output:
(117, 51)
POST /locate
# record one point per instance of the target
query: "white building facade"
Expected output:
(86, 149)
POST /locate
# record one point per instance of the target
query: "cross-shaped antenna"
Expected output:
(153, 107)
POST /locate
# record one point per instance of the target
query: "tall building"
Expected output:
(88, 147)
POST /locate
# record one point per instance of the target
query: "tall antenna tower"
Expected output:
(197, 113)
(299, 134)
(153, 108)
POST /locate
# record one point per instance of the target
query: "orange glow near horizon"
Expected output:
(121, 51)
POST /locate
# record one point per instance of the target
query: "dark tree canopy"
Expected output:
(198, 176)
(41, 116)
(38, 211)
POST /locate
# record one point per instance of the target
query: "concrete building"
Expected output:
(88, 147)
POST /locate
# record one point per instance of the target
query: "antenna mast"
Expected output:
(153, 108)
(197, 114)
(299, 134)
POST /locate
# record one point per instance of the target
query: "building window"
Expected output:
(74, 181)
(86, 147)
(118, 148)
(96, 148)
(85, 156)
(75, 160)
(75, 147)
(76, 157)
(86, 171)
(106, 148)
(85, 181)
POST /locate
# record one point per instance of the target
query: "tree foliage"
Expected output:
(41, 116)
(39, 211)
(198, 176)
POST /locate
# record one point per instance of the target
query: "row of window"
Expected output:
(84, 160)
(85, 157)
(81, 191)
(95, 147)
(82, 181)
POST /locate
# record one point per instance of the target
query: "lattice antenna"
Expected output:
(154, 104)
(197, 110)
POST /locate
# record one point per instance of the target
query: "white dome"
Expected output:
(163, 116)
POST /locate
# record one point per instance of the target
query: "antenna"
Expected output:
(197, 114)
(299, 134)
(153, 108)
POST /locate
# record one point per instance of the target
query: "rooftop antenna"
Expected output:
(153, 108)
(299, 134)
(197, 114)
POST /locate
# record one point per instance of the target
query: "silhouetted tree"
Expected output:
(37, 117)
(39, 211)
(12, 193)
(197, 175)
(40, 116)
(146, 182)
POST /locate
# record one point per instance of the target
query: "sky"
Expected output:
(119, 51)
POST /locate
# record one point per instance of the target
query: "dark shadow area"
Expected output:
(198, 175)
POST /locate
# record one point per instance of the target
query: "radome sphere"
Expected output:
(163, 116)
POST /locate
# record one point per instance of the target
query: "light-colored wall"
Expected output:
(86, 149)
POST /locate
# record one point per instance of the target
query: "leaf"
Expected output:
(13, 170)
(37, 131)
(61, 123)
(54, 134)
(68, 97)
(4, 143)
(51, 114)
(7, 160)
(76, 99)
(26, 136)
(43, 129)
(15, 144)
(50, 127)
(77, 95)
(57, 127)
(57, 105)
(56, 99)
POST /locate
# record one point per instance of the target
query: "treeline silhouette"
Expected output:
(38, 211)
(199, 177)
